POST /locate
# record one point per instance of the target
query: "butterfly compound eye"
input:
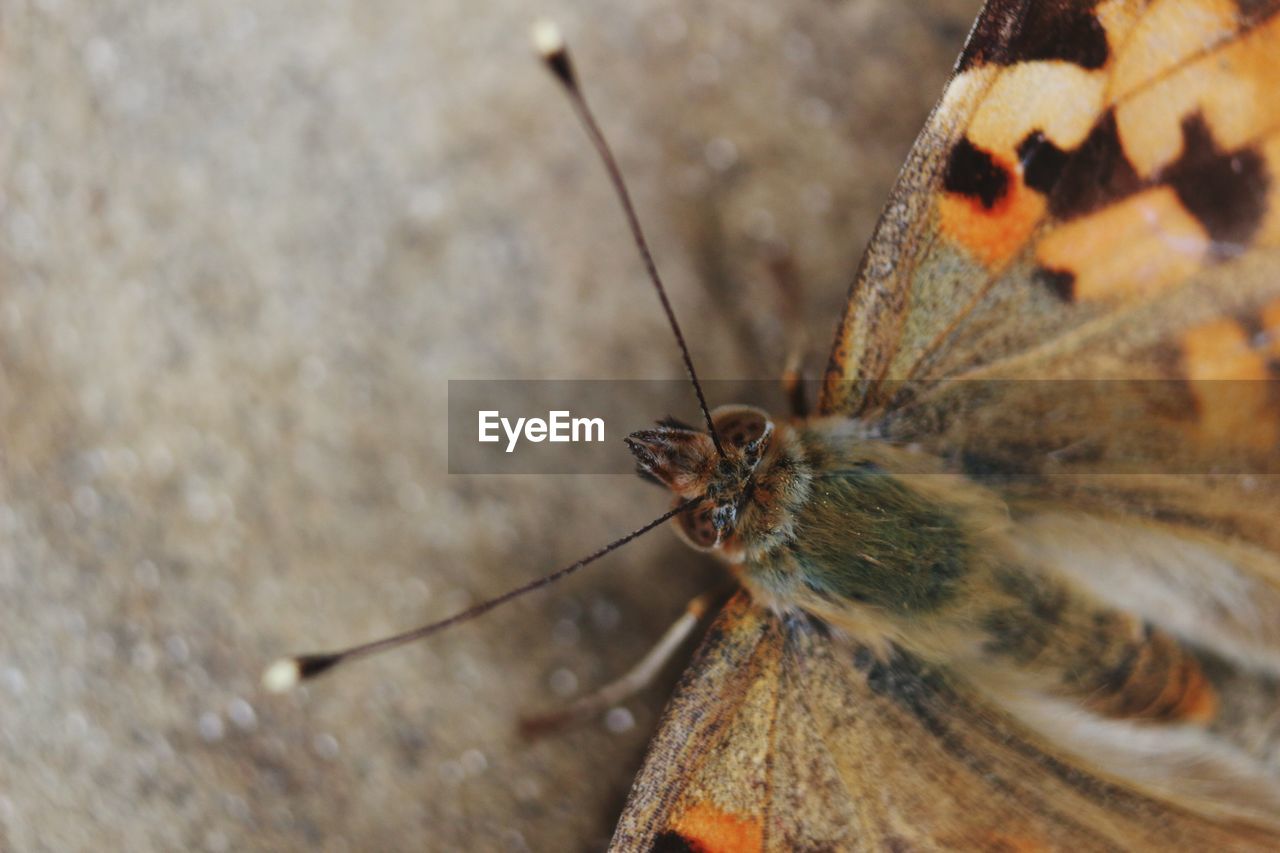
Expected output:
(697, 527)
(740, 425)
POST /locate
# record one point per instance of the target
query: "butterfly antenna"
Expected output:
(285, 673)
(551, 47)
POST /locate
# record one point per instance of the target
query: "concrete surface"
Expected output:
(242, 248)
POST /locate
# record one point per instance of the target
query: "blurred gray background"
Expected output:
(242, 248)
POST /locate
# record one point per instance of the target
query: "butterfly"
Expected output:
(1015, 583)
(951, 633)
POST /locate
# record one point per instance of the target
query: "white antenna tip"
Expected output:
(547, 38)
(282, 676)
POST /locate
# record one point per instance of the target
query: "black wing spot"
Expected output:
(1042, 162)
(1253, 327)
(1225, 191)
(1061, 283)
(974, 173)
(672, 842)
(1063, 31)
(1012, 31)
(1095, 174)
(1254, 12)
(990, 39)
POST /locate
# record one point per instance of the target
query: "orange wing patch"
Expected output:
(1221, 350)
(1134, 248)
(993, 223)
(1232, 366)
(706, 829)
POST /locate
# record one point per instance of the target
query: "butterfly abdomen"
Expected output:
(1111, 663)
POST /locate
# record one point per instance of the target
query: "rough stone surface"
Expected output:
(242, 248)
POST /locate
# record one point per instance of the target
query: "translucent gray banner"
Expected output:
(988, 429)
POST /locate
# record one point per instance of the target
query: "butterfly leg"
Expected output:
(793, 386)
(636, 679)
(791, 303)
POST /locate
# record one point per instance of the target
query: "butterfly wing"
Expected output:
(1096, 195)
(784, 737)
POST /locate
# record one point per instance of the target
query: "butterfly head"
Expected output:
(685, 460)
